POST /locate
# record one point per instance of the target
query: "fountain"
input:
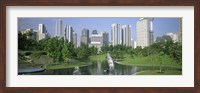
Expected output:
(110, 62)
(76, 71)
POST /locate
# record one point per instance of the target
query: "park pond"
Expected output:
(100, 68)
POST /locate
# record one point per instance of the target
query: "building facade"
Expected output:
(37, 35)
(68, 33)
(115, 34)
(85, 36)
(99, 40)
(144, 30)
(94, 32)
(126, 35)
(30, 34)
(96, 41)
(74, 36)
(133, 44)
(42, 32)
(105, 38)
(59, 28)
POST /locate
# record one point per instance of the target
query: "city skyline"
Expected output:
(161, 26)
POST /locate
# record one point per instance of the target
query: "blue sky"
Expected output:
(161, 26)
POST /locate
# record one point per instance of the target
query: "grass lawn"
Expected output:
(149, 61)
(156, 72)
(98, 57)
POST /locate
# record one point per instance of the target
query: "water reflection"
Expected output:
(98, 68)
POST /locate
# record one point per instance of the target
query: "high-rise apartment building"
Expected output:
(144, 30)
(42, 32)
(85, 36)
(74, 36)
(68, 33)
(126, 35)
(105, 38)
(115, 34)
(133, 44)
(42, 28)
(59, 28)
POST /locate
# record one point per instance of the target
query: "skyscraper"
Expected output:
(74, 36)
(115, 34)
(59, 28)
(126, 35)
(94, 32)
(104, 38)
(133, 43)
(151, 31)
(144, 28)
(99, 40)
(42, 32)
(68, 33)
(85, 36)
(42, 28)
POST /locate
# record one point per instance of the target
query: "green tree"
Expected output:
(93, 50)
(83, 52)
(138, 51)
(175, 51)
(105, 49)
(160, 60)
(132, 54)
(66, 50)
(54, 47)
